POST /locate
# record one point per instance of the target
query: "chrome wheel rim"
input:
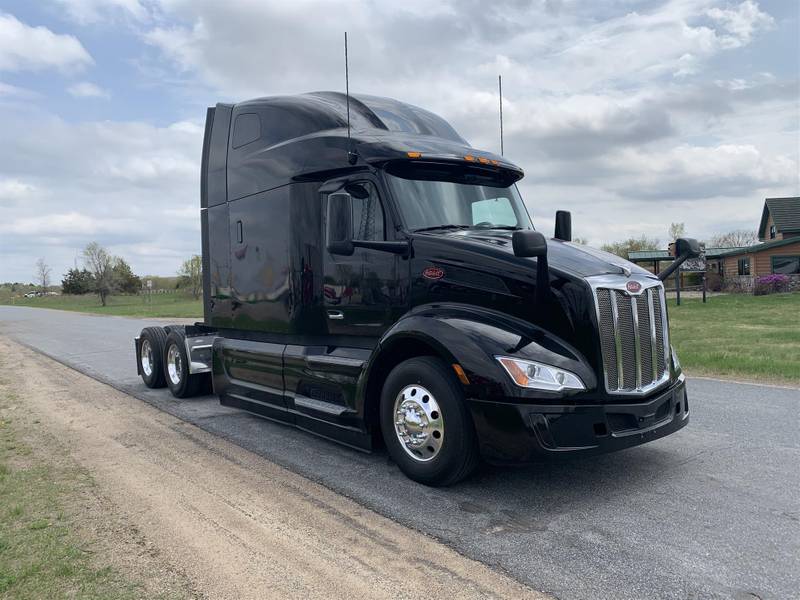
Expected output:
(174, 364)
(418, 423)
(146, 358)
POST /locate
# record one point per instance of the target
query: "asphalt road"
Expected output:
(710, 512)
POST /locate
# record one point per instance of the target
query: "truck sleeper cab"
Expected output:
(388, 287)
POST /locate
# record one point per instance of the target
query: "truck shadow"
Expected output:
(495, 499)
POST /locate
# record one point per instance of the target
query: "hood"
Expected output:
(567, 257)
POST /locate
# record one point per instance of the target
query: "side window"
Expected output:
(246, 129)
(497, 211)
(786, 265)
(772, 232)
(744, 266)
(368, 219)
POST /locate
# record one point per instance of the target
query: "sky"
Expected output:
(630, 114)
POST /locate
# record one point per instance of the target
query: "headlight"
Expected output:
(529, 374)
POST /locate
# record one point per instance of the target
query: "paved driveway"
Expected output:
(710, 512)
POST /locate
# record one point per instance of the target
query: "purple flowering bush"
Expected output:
(770, 284)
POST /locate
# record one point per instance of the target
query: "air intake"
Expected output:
(633, 335)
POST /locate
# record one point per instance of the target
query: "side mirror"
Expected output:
(528, 242)
(563, 225)
(687, 246)
(340, 224)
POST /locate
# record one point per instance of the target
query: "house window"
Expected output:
(786, 265)
(772, 232)
(744, 266)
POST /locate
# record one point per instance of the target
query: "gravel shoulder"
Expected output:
(219, 520)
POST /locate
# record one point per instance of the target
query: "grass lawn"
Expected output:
(737, 335)
(41, 553)
(162, 305)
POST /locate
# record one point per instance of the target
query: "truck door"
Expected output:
(363, 292)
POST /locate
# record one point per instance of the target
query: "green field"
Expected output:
(737, 335)
(160, 305)
(41, 553)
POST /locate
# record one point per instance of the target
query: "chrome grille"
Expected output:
(633, 340)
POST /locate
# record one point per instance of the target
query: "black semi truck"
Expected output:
(371, 278)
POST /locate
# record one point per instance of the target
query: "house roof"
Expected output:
(760, 247)
(646, 255)
(785, 213)
(650, 255)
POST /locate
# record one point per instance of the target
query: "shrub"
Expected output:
(770, 284)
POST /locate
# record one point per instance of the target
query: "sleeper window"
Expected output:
(246, 129)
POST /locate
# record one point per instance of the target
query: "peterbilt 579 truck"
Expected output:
(370, 277)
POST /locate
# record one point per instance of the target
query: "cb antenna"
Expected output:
(352, 157)
(500, 87)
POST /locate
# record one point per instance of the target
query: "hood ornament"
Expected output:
(625, 270)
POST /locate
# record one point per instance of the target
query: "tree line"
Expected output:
(105, 274)
(732, 239)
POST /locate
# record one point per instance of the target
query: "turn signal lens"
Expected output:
(462, 376)
(529, 374)
(414, 154)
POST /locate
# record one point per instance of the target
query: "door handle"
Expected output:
(335, 315)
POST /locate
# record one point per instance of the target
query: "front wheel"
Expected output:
(425, 422)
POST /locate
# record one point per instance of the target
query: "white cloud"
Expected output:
(23, 47)
(631, 114)
(86, 89)
(92, 11)
(740, 22)
(12, 91)
(64, 225)
(14, 189)
(131, 186)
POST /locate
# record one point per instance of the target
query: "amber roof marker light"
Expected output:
(414, 154)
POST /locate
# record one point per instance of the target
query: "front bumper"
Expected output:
(517, 433)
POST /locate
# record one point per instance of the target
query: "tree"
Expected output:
(42, 274)
(77, 282)
(191, 274)
(734, 239)
(101, 265)
(624, 247)
(676, 230)
(124, 279)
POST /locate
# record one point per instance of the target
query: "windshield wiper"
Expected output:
(442, 227)
(509, 227)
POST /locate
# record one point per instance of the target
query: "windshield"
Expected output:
(430, 204)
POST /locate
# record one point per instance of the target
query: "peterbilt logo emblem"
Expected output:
(433, 273)
(634, 287)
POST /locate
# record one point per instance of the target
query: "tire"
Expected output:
(440, 446)
(151, 356)
(176, 367)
